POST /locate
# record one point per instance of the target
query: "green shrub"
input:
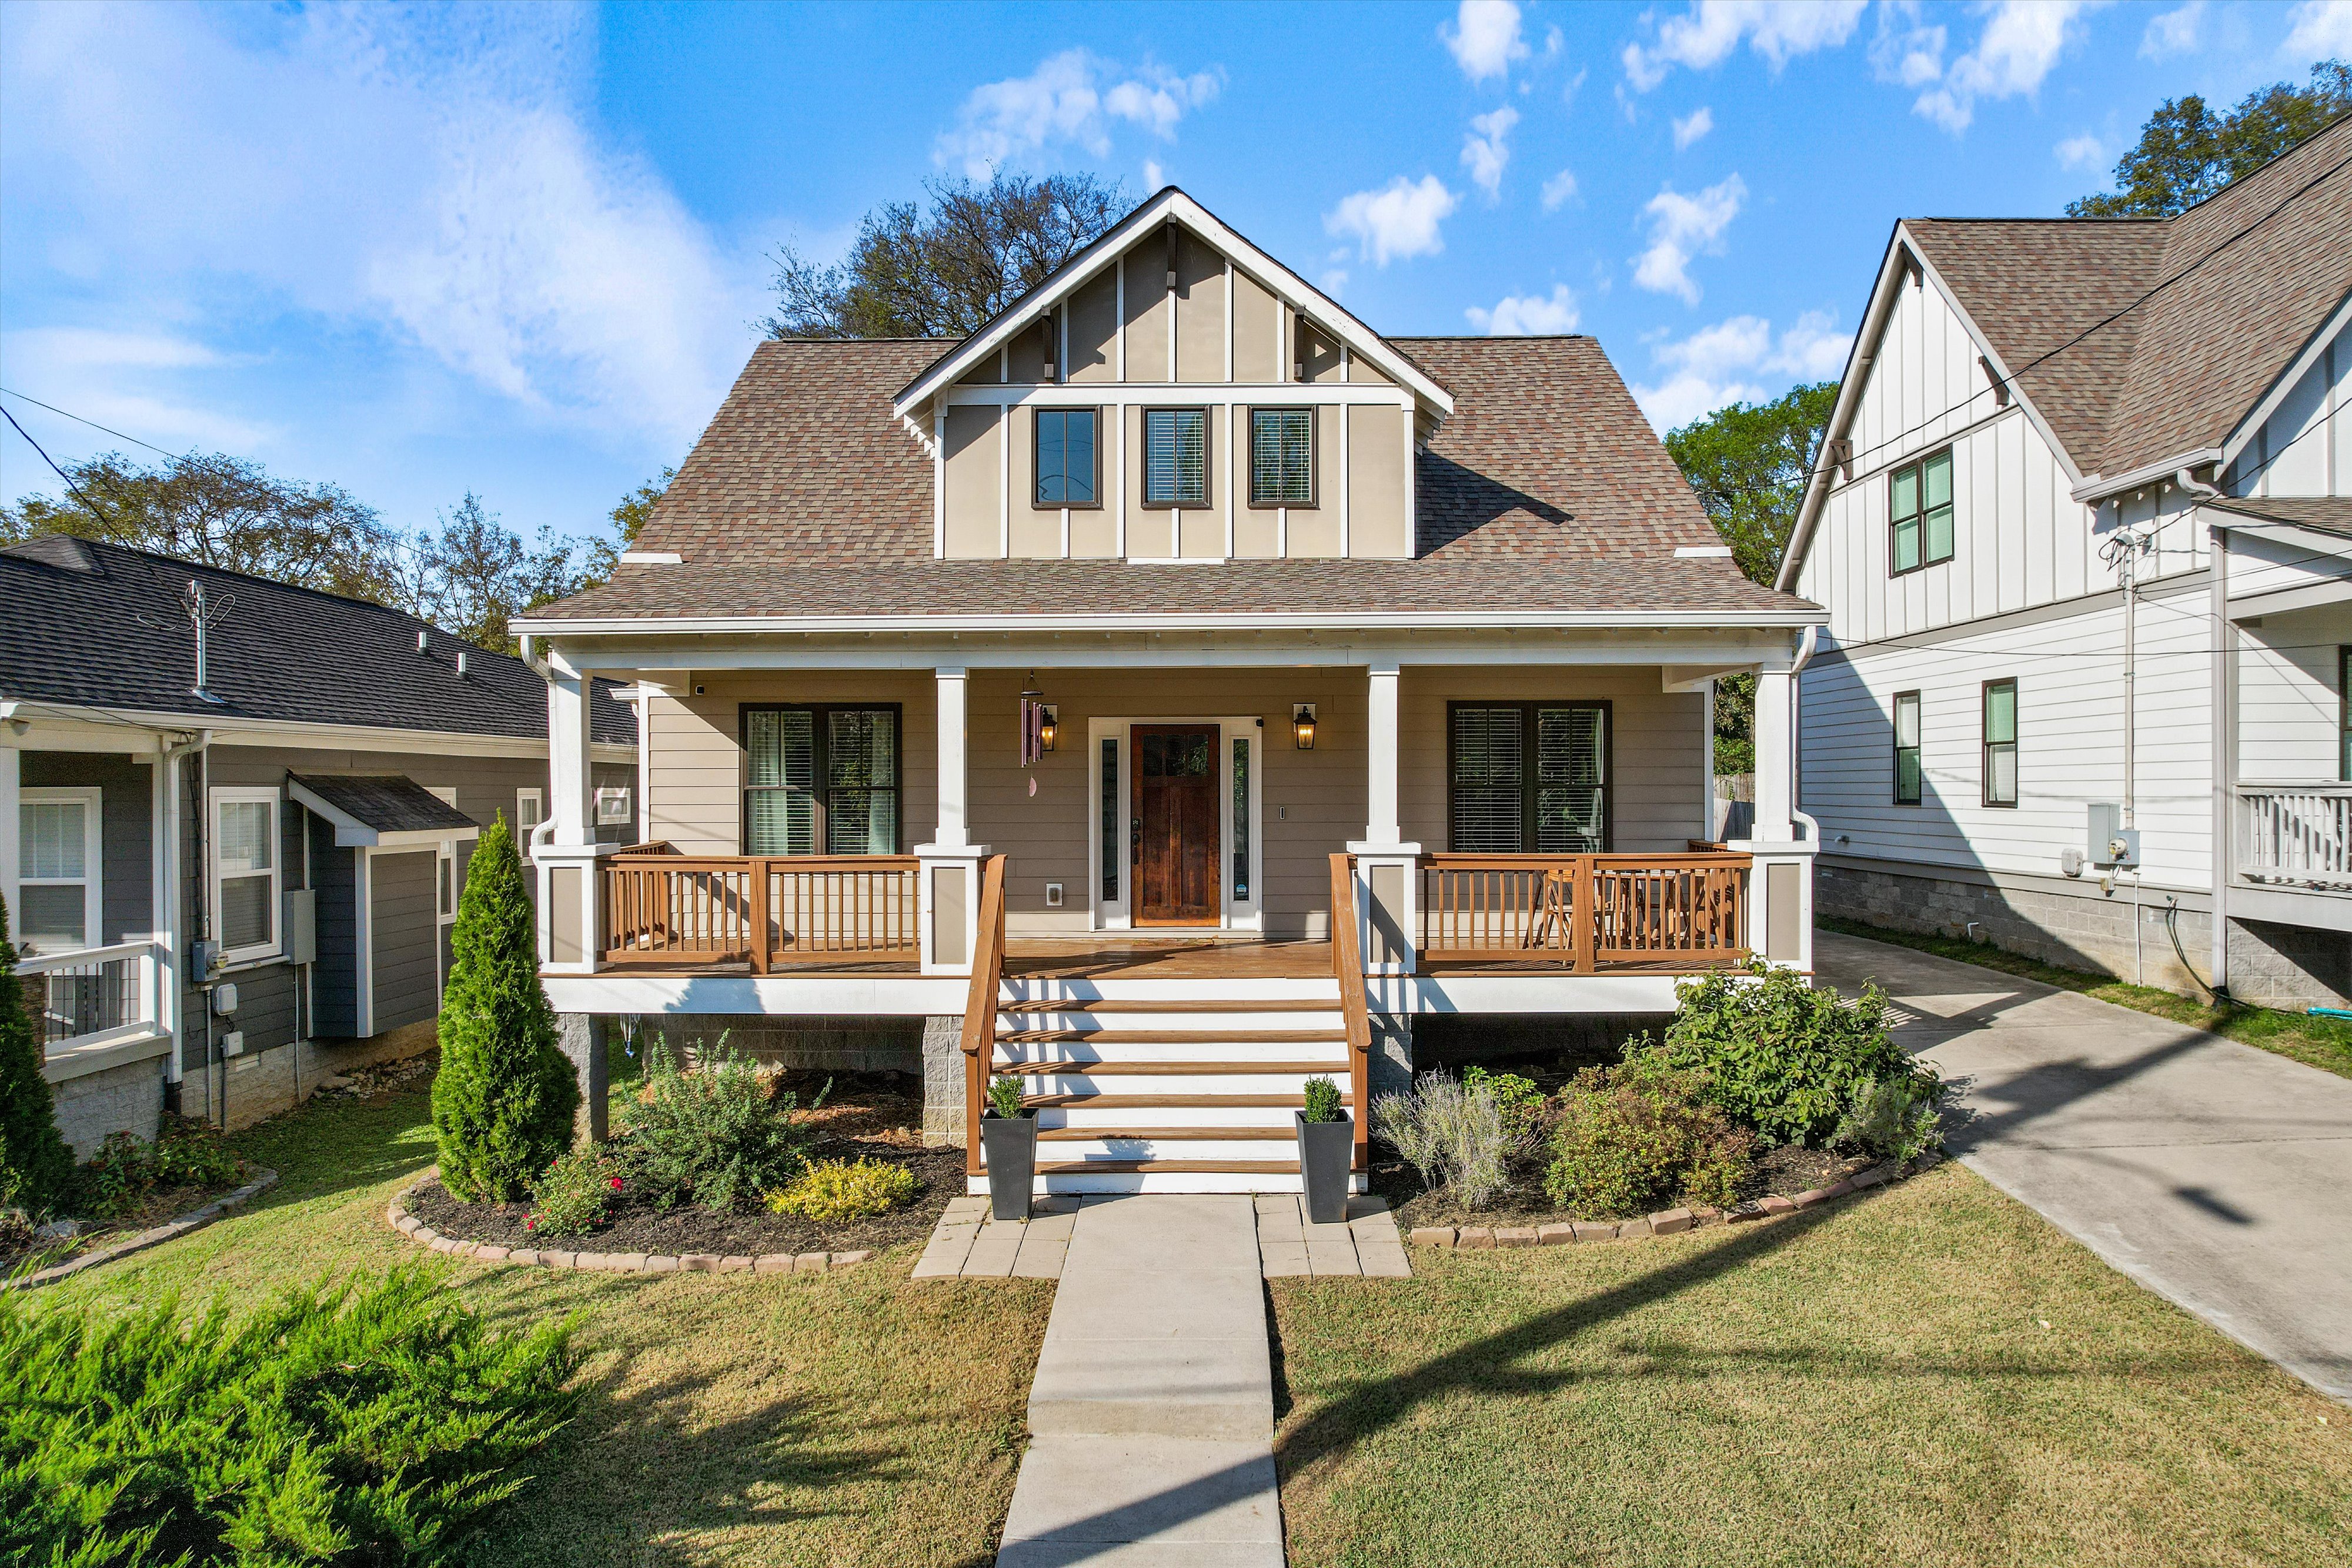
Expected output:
(1454, 1137)
(1323, 1102)
(1635, 1138)
(343, 1423)
(718, 1136)
(1779, 1055)
(504, 1098)
(1519, 1099)
(1004, 1096)
(576, 1193)
(1894, 1118)
(34, 1159)
(126, 1169)
(846, 1189)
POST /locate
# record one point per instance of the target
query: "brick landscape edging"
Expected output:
(1667, 1222)
(423, 1235)
(194, 1219)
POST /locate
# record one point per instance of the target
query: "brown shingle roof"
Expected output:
(2243, 287)
(1547, 492)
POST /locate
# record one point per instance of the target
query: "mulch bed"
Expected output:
(875, 1115)
(1783, 1172)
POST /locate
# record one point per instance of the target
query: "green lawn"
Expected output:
(1930, 1374)
(852, 1417)
(2323, 1044)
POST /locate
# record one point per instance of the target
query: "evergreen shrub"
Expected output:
(720, 1136)
(1634, 1138)
(846, 1189)
(504, 1098)
(35, 1165)
(348, 1423)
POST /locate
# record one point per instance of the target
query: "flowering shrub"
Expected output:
(1778, 1054)
(718, 1136)
(576, 1193)
(1634, 1136)
(844, 1190)
(126, 1168)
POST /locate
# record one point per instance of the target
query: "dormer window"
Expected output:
(1069, 459)
(1175, 457)
(1282, 457)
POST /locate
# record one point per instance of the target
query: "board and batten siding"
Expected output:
(2304, 447)
(404, 937)
(2069, 672)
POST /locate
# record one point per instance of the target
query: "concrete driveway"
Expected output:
(2215, 1174)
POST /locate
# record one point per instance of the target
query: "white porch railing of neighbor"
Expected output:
(92, 992)
(2300, 834)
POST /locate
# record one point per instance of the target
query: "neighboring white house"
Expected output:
(2082, 527)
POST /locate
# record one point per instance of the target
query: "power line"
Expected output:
(78, 419)
(87, 504)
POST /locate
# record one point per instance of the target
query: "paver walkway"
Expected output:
(2210, 1172)
(1151, 1418)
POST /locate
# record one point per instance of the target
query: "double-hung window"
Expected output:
(1919, 508)
(1069, 459)
(1282, 457)
(56, 904)
(1175, 457)
(824, 780)
(2001, 743)
(1528, 778)
(244, 873)
(1907, 772)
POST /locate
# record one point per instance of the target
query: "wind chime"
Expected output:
(1036, 726)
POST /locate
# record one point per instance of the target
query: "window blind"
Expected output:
(1570, 820)
(1175, 457)
(1488, 803)
(1282, 456)
(781, 820)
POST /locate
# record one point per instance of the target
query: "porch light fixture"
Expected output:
(1302, 725)
(1047, 726)
(1038, 722)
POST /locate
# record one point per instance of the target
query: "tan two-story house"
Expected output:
(1168, 693)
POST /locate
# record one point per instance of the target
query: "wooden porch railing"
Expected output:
(662, 908)
(1584, 912)
(1347, 967)
(980, 1005)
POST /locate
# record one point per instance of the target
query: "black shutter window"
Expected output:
(1489, 794)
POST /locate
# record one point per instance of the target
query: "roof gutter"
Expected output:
(2097, 488)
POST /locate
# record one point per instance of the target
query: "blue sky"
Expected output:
(520, 250)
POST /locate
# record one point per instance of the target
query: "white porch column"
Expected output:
(948, 868)
(571, 899)
(1388, 876)
(1780, 877)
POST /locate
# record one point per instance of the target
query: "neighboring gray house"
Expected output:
(218, 847)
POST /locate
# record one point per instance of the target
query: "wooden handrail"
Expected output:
(980, 1005)
(1583, 911)
(1347, 967)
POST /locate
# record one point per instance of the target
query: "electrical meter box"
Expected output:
(2109, 842)
(301, 927)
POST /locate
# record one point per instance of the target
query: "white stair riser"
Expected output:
(1166, 1181)
(1237, 1149)
(1204, 1083)
(1334, 1052)
(1174, 992)
(1175, 1020)
(1165, 1116)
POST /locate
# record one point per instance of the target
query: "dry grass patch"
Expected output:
(1931, 1374)
(852, 1417)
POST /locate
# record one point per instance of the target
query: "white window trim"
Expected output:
(610, 795)
(92, 799)
(538, 800)
(1234, 914)
(261, 951)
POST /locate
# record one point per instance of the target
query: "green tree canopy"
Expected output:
(1749, 462)
(944, 272)
(2186, 152)
(475, 575)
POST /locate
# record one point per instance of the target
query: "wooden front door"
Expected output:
(1174, 831)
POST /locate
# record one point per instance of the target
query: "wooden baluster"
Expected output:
(1585, 897)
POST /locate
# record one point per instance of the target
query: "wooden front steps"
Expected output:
(1169, 1167)
(1206, 1134)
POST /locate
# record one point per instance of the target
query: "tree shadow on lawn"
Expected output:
(326, 1147)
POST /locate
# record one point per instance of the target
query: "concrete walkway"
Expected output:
(2210, 1172)
(1151, 1419)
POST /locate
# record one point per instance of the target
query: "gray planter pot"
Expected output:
(1009, 1144)
(1326, 1151)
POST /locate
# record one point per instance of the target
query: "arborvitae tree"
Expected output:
(34, 1159)
(504, 1100)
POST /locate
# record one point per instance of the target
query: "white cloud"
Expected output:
(2082, 151)
(1398, 221)
(432, 177)
(1780, 30)
(2322, 29)
(1485, 148)
(2173, 32)
(1911, 53)
(1559, 189)
(1484, 38)
(2019, 48)
(1516, 315)
(1693, 126)
(1739, 360)
(1683, 227)
(1072, 98)
(1154, 177)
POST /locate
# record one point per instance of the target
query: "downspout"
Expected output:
(167, 862)
(1805, 645)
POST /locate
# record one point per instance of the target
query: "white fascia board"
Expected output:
(1309, 620)
(63, 726)
(2287, 378)
(351, 833)
(2097, 488)
(302, 735)
(1170, 204)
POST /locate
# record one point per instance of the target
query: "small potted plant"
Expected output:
(1008, 1136)
(1327, 1148)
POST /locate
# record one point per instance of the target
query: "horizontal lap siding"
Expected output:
(403, 934)
(126, 829)
(2288, 704)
